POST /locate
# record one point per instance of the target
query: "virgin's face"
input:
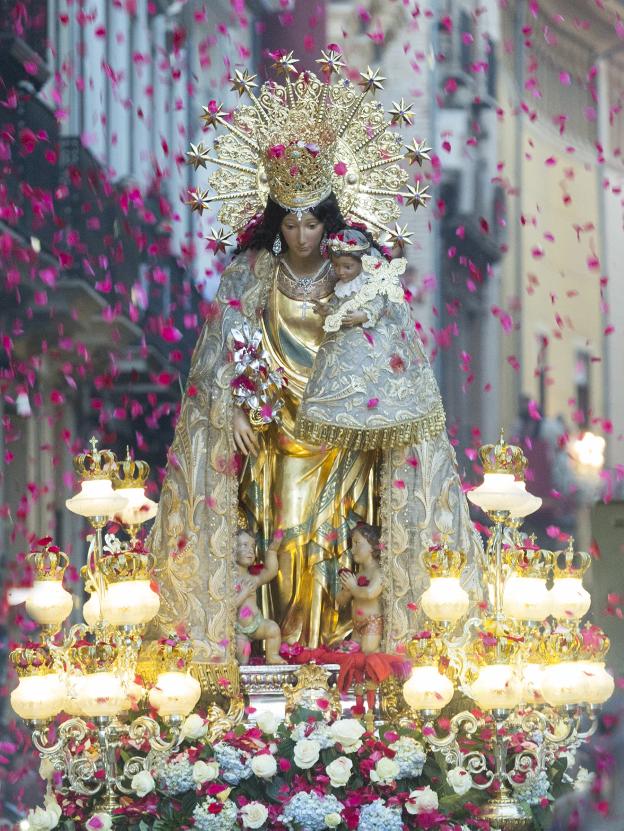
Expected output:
(303, 236)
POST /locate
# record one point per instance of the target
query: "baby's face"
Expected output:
(361, 549)
(346, 268)
(245, 550)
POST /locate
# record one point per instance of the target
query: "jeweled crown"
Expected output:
(442, 561)
(571, 563)
(130, 473)
(299, 160)
(32, 660)
(174, 653)
(503, 458)
(127, 565)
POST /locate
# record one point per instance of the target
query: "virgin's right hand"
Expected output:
(245, 436)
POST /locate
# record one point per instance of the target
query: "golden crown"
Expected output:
(50, 563)
(561, 645)
(302, 139)
(442, 561)
(98, 656)
(529, 562)
(126, 565)
(130, 473)
(31, 660)
(495, 643)
(571, 563)
(503, 458)
(174, 653)
(95, 464)
(425, 649)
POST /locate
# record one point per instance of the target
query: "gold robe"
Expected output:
(415, 491)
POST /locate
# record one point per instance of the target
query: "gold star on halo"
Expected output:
(220, 239)
(286, 64)
(417, 152)
(243, 82)
(371, 80)
(210, 118)
(417, 197)
(401, 112)
(400, 235)
(330, 62)
(198, 155)
(199, 200)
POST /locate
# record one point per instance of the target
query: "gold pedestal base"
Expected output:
(505, 813)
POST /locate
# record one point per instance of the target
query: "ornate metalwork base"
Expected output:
(506, 813)
(263, 686)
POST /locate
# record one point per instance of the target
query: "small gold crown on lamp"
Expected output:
(562, 644)
(571, 563)
(31, 660)
(49, 564)
(594, 643)
(126, 565)
(130, 473)
(529, 562)
(174, 653)
(442, 561)
(95, 464)
(503, 458)
(98, 656)
(495, 643)
(425, 648)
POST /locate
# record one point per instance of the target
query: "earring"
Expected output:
(277, 245)
(324, 246)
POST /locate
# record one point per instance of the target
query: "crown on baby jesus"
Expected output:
(348, 242)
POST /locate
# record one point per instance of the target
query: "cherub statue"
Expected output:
(364, 589)
(250, 622)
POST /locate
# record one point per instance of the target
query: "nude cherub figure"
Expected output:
(364, 588)
(250, 622)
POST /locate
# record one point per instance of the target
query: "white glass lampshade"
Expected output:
(427, 689)
(497, 687)
(564, 683)
(100, 694)
(138, 508)
(526, 598)
(48, 603)
(91, 610)
(96, 498)
(134, 694)
(569, 600)
(130, 602)
(598, 683)
(500, 492)
(532, 677)
(445, 599)
(38, 696)
(175, 693)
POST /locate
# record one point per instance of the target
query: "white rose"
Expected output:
(386, 771)
(205, 771)
(42, 819)
(254, 815)
(268, 722)
(99, 822)
(264, 766)
(142, 783)
(339, 771)
(460, 780)
(306, 753)
(421, 800)
(584, 779)
(194, 727)
(51, 804)
(347, 732)
(333, 820)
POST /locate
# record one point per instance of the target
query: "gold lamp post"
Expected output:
(523, 658)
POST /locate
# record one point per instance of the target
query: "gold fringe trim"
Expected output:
(356, 438)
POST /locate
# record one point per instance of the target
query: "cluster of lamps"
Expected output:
(89, 671)
(524, 658)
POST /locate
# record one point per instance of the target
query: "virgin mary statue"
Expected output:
(304, 159)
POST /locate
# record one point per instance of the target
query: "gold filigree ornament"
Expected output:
(299, 140)
(312, 684)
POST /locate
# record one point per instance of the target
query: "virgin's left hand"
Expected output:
(352, 319)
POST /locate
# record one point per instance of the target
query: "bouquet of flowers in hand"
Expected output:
(255, 386)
